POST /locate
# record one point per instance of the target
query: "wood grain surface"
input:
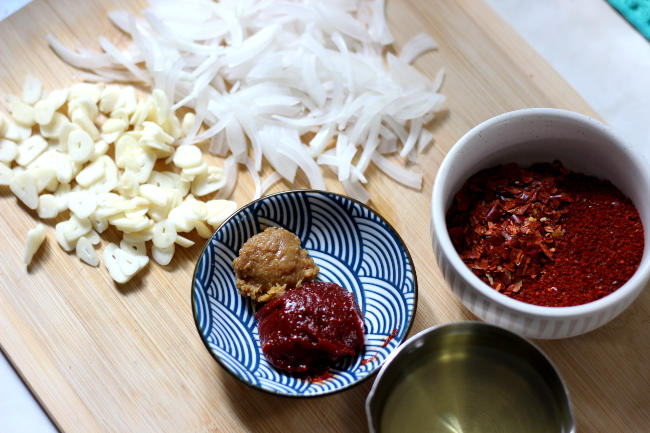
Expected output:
(103, 357)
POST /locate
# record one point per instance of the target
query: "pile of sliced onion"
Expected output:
(303, 84)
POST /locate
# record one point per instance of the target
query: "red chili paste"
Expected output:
(310, 328)
(545, 235)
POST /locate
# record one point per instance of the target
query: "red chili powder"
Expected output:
(544, 235)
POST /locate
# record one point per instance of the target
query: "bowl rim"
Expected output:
(439, 225)
(463, 324)
(407, 329)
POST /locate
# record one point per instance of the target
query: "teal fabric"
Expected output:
(637, 12)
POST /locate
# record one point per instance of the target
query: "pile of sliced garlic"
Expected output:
(55, 156)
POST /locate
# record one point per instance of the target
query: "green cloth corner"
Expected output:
(637, 12)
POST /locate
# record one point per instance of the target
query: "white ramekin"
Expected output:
(526, 136)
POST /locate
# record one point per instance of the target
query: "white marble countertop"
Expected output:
(586, 41)
(597, 52)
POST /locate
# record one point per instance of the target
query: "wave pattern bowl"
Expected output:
(527, 136)
(353, 246)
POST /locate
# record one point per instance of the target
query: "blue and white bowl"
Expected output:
(353, 247)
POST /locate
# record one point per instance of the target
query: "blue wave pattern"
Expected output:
(352, 246)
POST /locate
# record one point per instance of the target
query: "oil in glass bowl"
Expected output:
(462, 385)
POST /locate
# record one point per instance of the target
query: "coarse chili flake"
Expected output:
(545, 235)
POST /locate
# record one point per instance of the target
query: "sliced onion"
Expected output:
(400, 174)
(119, 57)
(307, 164)
(271, 180)
(230, 173)
(250, 165)
(262, 74)
(416, 46)
(82, 61)
(355, 190)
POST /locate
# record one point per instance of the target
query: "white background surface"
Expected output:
(597, 52)
(586, 41)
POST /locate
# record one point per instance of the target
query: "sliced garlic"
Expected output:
(113, 128)
(65, 167)
(142, 164)
(8, 151)
(45, 108)
(209, 182)
(154, 194)
(108, 204)
(100, 224)
(108, 99)
(85, 251)
(178, 216)
(124, 149)
(152, 206)
(93, 236)
(47, 159)
(141, 112)
(16, 132)
(80, 146)
(101, 147)
(130, 263)
(128, 185)
(141, 236)
(187, 155)
(170, 180)
(80, 117)
(5, 174)
(172, 126)
(61, 238)
(48, 206)
(188, 122)
(23, 185)
(109, 180)
(127, 101)
(82, 103)
(138, 248)
(61, 195)
(45, 177)
(35, 238)
(22, 113)
(161, 149)
(121, 264)
(217, 211)
(183, 241)
(74, 228)
(135, 203)
(129, 225)
(202, 229)
(56, 126)
(30, 148)
(110, 257)
(32, 90)
(82, 203)
(190, 173)
(136, 213)
(122, 114)
(91, 173)
(162, 105)
(89, 91)
(164, 234)
(153, 131)
(163, 256)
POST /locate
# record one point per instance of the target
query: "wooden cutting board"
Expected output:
(102, 357)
